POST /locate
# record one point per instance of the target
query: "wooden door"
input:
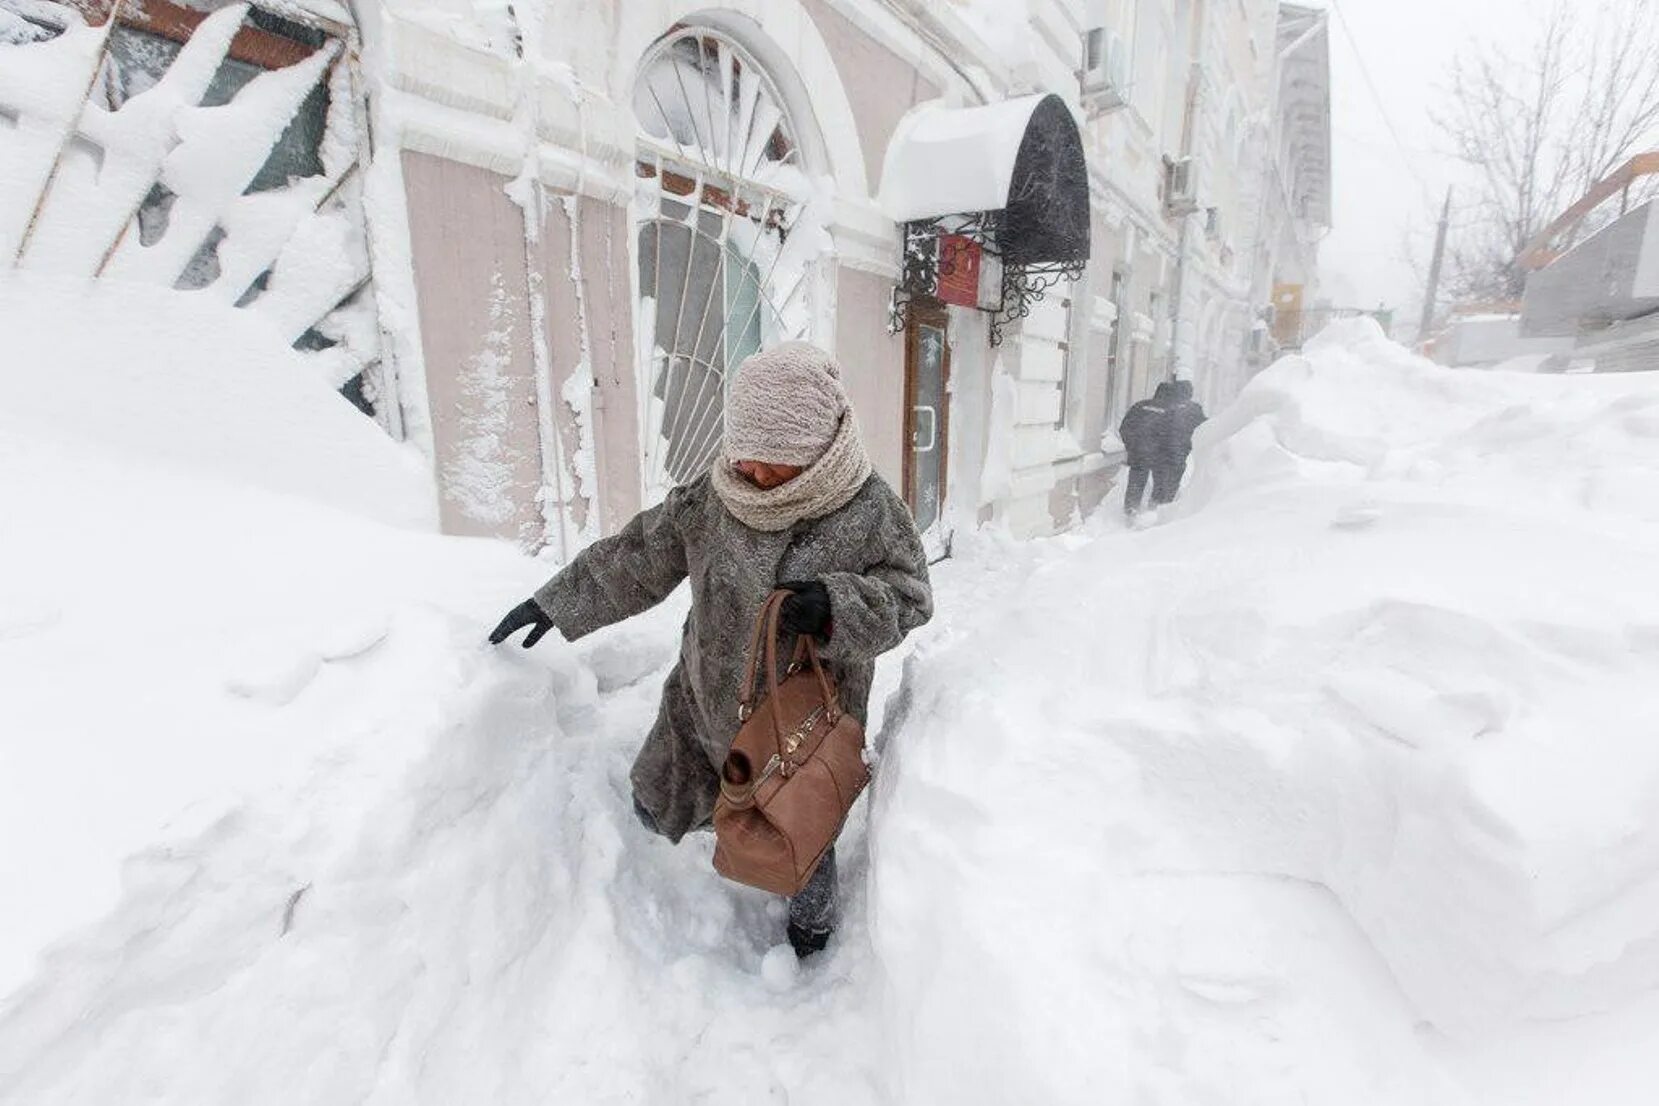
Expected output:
(927, 417)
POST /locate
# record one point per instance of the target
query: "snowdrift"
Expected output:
(198, 531)
(275, 824)
(1337, 786)
(1396, 646)
(140, 374)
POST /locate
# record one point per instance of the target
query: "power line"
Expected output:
(1361, 139)
(1376, 96)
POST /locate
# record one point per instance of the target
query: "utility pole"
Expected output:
(1434, 271)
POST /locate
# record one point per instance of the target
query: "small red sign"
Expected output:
(958, 270)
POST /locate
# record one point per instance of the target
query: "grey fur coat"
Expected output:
(867, 554)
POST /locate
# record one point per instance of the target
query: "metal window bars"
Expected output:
(723, 187)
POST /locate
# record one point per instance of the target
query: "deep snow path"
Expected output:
(1335, 786)
(475, 918)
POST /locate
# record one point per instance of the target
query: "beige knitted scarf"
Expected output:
(826, 486)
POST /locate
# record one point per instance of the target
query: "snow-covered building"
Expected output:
(1295, 197)
(532, 239)
(1476, 339)
(1210, 158)
(1601, 297)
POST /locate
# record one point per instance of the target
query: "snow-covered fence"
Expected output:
(216, 154)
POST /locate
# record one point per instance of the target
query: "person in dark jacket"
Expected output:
(792, 503)
(1185, 416)
(1145, 432)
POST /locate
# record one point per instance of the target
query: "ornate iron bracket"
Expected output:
(1022, 285)
(925, 260)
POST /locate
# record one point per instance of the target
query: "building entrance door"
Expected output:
(927, 420)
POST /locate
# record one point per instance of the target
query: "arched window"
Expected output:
(724, 258)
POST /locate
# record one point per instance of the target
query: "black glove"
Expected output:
(525, 614)
(808, 610)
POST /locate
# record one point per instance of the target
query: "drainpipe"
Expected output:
(1188, 135)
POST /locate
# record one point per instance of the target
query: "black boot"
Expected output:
(814, 911)
(805, 942)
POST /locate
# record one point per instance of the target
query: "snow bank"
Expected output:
(151, 375)
(1392, 658)
(277, 826)
(194, 536)
(1333, 788)
(1360, 411)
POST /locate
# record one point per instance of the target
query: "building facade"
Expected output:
(533, 241)
(1598, 299)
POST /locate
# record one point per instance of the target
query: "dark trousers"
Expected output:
(1135, 489)
(1166, 481)
(815, 908)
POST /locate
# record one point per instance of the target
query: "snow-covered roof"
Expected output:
(1305, 107)
(944, 161)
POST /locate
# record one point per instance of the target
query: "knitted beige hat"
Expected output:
(784, 405)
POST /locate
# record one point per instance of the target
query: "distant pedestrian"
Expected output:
(1157, 436)
(1185, 416)
(1145, 431)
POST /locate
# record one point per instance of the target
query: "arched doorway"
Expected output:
(727, 239)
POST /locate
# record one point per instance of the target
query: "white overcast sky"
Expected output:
(1386, 188)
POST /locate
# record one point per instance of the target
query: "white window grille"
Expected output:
(722, 188)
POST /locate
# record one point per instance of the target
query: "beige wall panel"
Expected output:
(1079, 496)
(1093, 488)
(607, 299)
(564, 335)
(605, 262)
(1063, 502)
(467, 248)
(873, 363)
(880, 85)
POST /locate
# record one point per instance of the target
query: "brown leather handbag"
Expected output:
(794, 769)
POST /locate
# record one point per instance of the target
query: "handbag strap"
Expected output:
(807, 650)
(763, 643)
(757, 636)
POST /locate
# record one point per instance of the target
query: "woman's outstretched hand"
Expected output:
(525, 614)
(807, 611)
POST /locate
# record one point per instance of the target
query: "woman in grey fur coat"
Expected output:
(791, 502)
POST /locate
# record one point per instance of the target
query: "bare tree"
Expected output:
(1542, 127)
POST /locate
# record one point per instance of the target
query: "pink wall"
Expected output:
(467, 248)
(881, 86)
(473, 281)
(873, 363)
(607, 299)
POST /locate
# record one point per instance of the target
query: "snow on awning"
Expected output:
(1022, 157)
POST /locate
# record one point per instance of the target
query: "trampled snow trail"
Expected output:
(1334, 786)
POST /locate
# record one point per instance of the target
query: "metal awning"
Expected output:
(1020, 159)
